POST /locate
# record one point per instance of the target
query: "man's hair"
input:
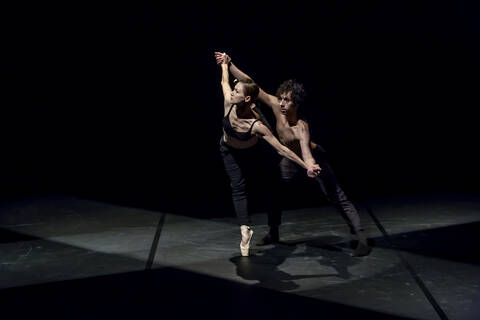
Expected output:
(296, 88)
(250, 88)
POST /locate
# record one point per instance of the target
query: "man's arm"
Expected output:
(260, 129)
(264, 97)
(302, 133)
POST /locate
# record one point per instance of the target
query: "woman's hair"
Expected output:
(296, 88)
(250, 88)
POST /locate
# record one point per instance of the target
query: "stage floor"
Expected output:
(64, 257)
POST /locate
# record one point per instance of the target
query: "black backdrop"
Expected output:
(122, 102)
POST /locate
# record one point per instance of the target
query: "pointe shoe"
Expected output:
(246, 233)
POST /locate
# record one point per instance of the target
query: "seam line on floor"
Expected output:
(405, 263)
(156, 238)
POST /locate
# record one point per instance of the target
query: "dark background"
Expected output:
(122, 102)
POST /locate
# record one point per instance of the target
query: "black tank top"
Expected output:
(227, 126)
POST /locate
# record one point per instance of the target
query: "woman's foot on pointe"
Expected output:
(247, 234)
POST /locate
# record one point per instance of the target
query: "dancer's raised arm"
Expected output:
(225, 83)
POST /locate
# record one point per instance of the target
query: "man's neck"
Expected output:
(292, 119)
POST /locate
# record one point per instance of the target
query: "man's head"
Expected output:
(291, 94)
(245, 91)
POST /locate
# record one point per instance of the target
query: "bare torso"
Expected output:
(289, 134)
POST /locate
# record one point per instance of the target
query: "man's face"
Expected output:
(286, 104)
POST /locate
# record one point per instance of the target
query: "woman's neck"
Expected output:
(244, 111)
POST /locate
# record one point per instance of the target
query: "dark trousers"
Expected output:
(245, 167)
(326, 180)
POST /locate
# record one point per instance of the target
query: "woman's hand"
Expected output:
(219, 57)
(222, 58)
(313, 170)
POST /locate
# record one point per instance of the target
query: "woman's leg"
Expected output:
(232, 163)
(236, 164)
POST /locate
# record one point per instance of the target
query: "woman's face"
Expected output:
(237, 95)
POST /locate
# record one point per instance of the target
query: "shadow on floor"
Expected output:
(455, 243)
(263, 265)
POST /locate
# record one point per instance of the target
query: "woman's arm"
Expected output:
(260, 129)
(225, 83)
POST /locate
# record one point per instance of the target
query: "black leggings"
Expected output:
(244, 166)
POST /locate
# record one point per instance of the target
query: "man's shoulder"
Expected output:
(302, 123)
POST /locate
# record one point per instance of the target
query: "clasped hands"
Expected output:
(313, 170)
(222, 57)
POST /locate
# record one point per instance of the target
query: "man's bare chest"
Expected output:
(287, 134)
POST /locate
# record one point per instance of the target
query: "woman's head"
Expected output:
(244, 92)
